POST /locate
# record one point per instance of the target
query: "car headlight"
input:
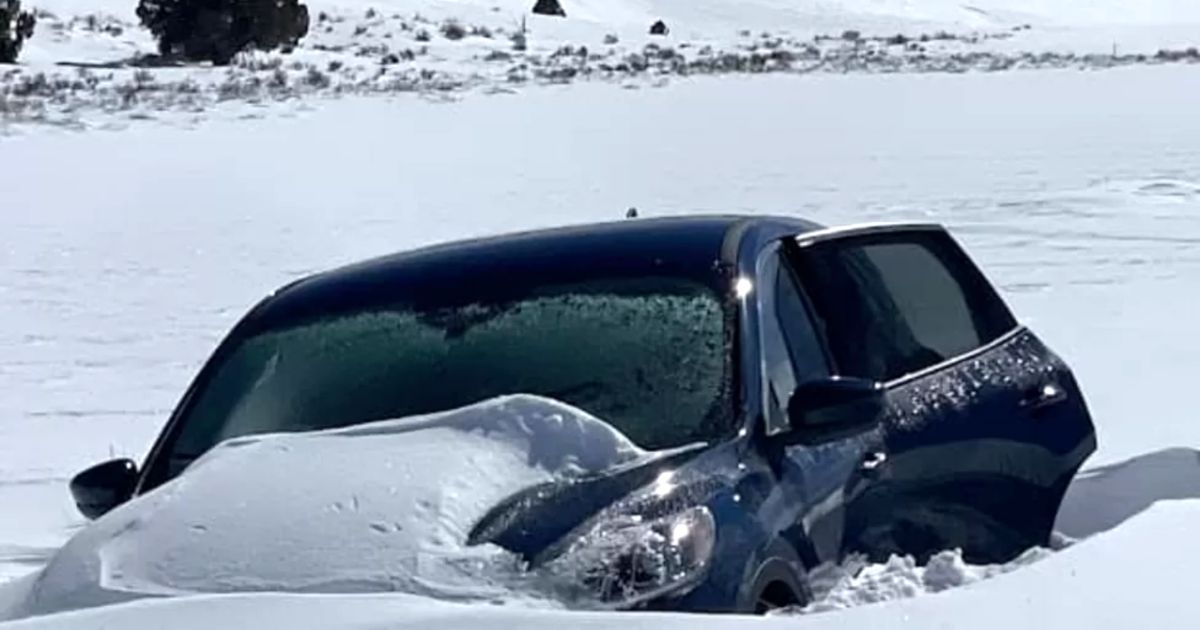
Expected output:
(628, 560)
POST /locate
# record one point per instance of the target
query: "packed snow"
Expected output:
(127, 255)
(380, 507)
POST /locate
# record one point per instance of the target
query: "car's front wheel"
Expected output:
(776, 585)
(776, 596)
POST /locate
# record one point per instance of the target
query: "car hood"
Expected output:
(388, 506)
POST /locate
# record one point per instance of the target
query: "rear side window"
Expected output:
(926, 297)
(893, 304)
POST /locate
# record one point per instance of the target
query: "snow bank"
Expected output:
(857, 583)
(379, 507)
(1098, 501)
(1128, 577)
(1161, 500)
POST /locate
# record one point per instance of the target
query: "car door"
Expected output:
(985, 425)
(814, 481)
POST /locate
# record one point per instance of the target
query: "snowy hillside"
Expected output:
(88, 63)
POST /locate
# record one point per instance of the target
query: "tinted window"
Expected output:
(646, 355)
(808, 358)
(898, 303)
(927, 299)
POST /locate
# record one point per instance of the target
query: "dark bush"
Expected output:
(16, 26)
(453, 30)
(216, 30)
(549, 7)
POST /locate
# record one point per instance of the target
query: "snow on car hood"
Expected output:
(385, 506)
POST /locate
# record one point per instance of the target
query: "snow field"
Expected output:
(127, 255)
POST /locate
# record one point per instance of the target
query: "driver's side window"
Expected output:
(792, 353)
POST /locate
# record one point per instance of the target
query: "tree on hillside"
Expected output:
(216, 30)
(16, 26)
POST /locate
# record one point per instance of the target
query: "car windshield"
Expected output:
(646, 355)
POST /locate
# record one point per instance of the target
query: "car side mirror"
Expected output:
(834, 408)
(104, 486)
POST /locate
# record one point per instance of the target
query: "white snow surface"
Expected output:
(125, 256)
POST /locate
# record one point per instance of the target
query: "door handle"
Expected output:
(1044, 395)
(872, 462)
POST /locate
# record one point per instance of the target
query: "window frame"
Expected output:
(969, 267)
(773, 260)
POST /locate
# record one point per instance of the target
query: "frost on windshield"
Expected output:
(653, 365)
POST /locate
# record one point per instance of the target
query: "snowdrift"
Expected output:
(1122, 578)
(228, 552)
(382, 507)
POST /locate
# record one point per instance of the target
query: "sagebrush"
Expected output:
(216, 30)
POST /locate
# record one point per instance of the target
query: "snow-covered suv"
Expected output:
(779, 395)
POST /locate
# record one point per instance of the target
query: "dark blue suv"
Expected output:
(814, 392)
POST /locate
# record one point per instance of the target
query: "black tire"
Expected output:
(779, 582)
(776, 596)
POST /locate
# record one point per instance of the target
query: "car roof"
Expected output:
(675, 246)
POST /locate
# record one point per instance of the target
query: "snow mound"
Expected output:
(382, 507)
(856, 583)
(1099, 500)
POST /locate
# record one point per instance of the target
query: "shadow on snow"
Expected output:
(1101, 499)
